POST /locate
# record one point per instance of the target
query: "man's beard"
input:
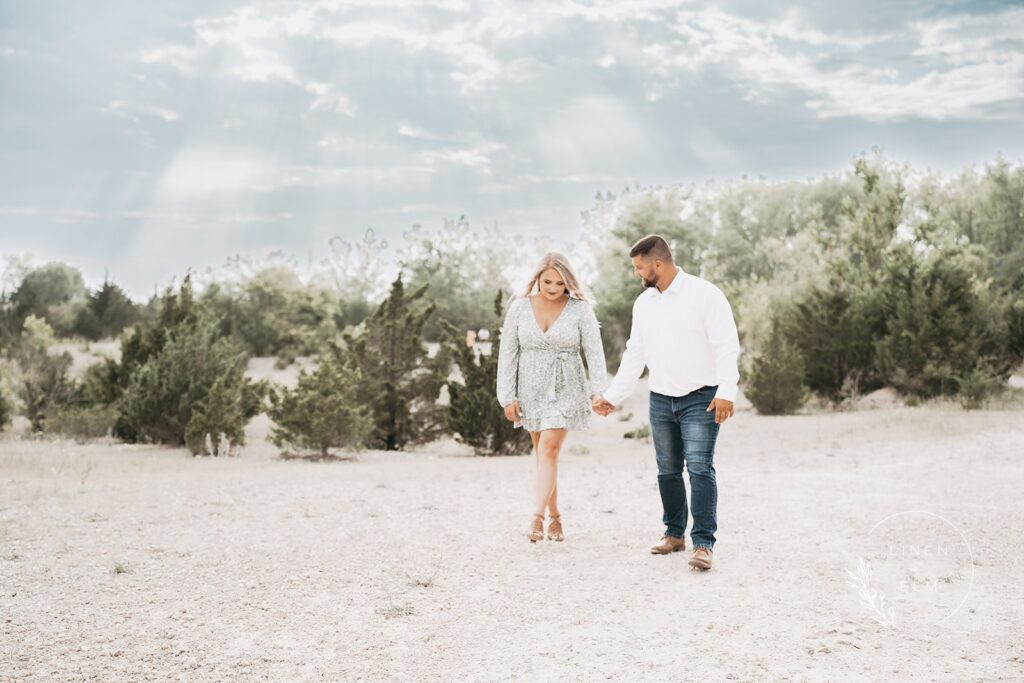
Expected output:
(649, 283)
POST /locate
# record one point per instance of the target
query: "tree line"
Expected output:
(873, 277)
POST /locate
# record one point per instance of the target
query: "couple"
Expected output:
(683, 331)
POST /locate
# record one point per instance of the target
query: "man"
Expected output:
(683, 331)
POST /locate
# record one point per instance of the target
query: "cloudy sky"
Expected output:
(160, 135)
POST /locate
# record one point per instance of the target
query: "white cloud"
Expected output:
(477, 157)
(448, 5)
(20, 210)
(349, 145)
(136, 112)
(475, 68)
(573, 179)
(57, 215)
(180, 57)
(408, 130)
(328, 176)
(970, 78)
(198, 171)
(253, 55)
(324, 97)
(249, 217)
(970, 39)
(256, 39)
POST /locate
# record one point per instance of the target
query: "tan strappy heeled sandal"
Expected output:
(537, 531)
(555, 528)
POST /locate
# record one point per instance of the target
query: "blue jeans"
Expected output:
(684, 432)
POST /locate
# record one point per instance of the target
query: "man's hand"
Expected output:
(723, 409)
(601, 406)
(512, 411)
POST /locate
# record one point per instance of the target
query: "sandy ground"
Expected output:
(128, 563)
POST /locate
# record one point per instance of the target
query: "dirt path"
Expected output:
(122, 563)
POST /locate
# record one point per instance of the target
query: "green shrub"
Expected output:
(473, 414)
(285, 359)
(946, 332)
(1015, 325)
(833, 328)
(53, 292)
(322, 411)
(775, 382)
(106, 312)
(274, 314)
(193, 387)
(170, 311)
(82, 422)
(218, 420)
(99, 385)
(43, 384)
(9, 402)
(641, 432)
(6, 410)
(978, 387)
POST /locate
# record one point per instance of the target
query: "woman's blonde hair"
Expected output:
(561, 264)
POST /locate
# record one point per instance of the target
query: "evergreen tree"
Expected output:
(322, 411)
(400, 383)
(6, 409)
(945, 330)
(1015, 324)
(10, 328)
(219, 418)
(193, 387)
(105, 382)
(473, 413)
(833, 328)
(106, 313)
(775, 383)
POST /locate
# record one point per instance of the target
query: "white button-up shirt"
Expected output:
(686, 335)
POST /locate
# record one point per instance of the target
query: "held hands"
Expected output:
(513, 412)
(601, 406)
(723, 409)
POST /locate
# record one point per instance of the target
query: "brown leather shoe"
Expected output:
(669, 544)
(701, 559)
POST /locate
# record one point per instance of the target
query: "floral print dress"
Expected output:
(544, 370)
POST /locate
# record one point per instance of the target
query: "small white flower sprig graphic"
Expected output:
(874, 600)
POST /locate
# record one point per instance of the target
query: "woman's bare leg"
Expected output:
(553, 498)
(548, 447)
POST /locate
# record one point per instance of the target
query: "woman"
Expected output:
(541, 382)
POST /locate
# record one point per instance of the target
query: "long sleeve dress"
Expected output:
(544, 370)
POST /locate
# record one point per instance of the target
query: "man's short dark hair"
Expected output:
(652, 247)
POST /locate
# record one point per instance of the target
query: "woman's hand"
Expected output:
(601, 406)
(512, 411)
